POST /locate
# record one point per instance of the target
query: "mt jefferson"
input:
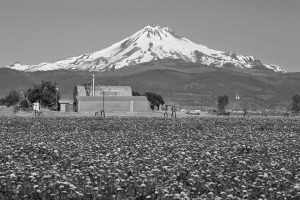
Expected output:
(150, 44)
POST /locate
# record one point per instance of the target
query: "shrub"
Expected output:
(222, 103)
(24, 104)
(11, 99)
(154, 99)
(296, 104)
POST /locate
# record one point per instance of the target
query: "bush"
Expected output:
(24, 104)
(222, 103)
(154, 99)
(136, 93)
(296, 104)
(223, 113)
(3, 101)
(11, 99)
(16, 109)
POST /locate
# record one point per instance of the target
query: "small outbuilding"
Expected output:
(66, 105)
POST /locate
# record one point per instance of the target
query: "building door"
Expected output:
(131, 106)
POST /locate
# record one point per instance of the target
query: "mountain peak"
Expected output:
(158, 32)
(151, 43)
(16, 63)
(153, 24)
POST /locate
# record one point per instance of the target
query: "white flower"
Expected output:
(143, 185)
(182, 194)
(12, 176)
(177, 196)
(91, 168)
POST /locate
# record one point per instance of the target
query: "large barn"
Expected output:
(91, 98)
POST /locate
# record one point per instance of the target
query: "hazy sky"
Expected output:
(35, 31)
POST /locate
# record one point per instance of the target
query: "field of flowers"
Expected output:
(149, 158)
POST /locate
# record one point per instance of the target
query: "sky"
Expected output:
(36, 31)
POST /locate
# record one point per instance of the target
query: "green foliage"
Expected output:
(3, 101)
(136, 93)
(296, 103)
(223, 101)
(45, 93)
(11, 99)
(16, 109)
(96, 159)
(155, 99)
(24, 104)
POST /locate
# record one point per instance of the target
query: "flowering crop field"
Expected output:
(149, 158)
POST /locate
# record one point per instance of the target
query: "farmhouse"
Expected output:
(91, 98)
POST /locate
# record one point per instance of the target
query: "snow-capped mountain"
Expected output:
(149, 44)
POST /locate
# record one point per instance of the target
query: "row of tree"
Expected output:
(223, 101)
(11, 99)
(45, 93)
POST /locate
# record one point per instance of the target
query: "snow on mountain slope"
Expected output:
(151, 43)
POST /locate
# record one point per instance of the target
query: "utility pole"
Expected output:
(103, 100)
(93, 86)
(201, 102)
(103, 94)
(174, 97)
(56, 89)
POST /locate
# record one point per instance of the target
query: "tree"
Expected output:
(46, 93)
(296, 103)
(3, 101)
(136, 93)
(155, 99)
(24, 104)
(222, 103)
(11, 99)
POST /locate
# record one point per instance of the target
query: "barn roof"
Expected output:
(109, 90)
(64, 101)
(80, 90)
(111, 98)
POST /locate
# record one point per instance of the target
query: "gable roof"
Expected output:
(81, 90)
(63, 101)
(111, 98)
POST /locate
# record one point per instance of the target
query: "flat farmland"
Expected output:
(149, 158)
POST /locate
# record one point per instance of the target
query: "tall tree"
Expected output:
(296, 103)
(223, 101)
(11, 99)
(45, 92)
(155, 99)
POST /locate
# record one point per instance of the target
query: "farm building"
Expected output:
(91, 98)
(66, 105)
(111, 103)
